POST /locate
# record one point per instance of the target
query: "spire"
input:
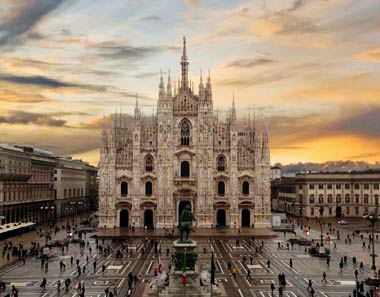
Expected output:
(200, 94)
(208, 87)
(169, 87)
(137, 111)
(161, 92)
(184, 66)
(233, 111)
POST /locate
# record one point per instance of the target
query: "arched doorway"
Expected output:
(245, 218)
(338, 212)
(148, 219)
(181, 207)
(124, 218)
(221, 218)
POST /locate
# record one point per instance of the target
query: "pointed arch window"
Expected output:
(185, 169)
(148, 188)
(221, 188)
(221, 164)
(149, 164)
(185, 133)
(245, 188)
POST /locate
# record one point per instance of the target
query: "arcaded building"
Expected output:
(151, 167)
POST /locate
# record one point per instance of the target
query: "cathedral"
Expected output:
(151, 167)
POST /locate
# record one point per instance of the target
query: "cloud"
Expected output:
(25, 118)
(252, 80)
(247, 63)
(43, 81)
(365, 156)
(20, 96)
(23, 18)
(369, 56)
(146, 74)
(154, 18)
(115, 50)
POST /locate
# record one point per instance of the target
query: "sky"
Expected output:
(311, 67)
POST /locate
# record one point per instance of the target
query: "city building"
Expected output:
(275, 172)
(151, 167)
(75, 187)
(26, 184)
(37, 186)
(342, 194)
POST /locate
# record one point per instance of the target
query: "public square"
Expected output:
(229, 246)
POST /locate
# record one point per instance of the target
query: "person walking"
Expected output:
(103, 268)
(268, 263)
(291, 263)
(248, 277)
(272, 287)
(59, 286)
(324, 280)
(361, 266)
(43, 284)
(280, 292)
(310, 285)
(341, 266)
(94, 264)
(356, 274)
(234, 270)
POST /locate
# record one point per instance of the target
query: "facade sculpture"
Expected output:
(152, 167)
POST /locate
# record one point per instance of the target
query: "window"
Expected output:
(300, 187)
(312, 211)
(148, 188)
(357, 186)
(149, 164)
(376, 199)
(366, 186)
(338, 186)
(320, 199)
(311, 186)
(245, 188)
(221, 163)
(185, 133)
(357, 198)
(347, 198)
(366, 198)
(329, 198)
(357, 211)
(185, 169)
(124, 188)
(330, 211)
(221, 188)
(311, 199)
(347, 186)
(329, 186)
(375, 186)
(320, 186)
(338, 198)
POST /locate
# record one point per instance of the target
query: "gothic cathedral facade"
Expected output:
(151, 167)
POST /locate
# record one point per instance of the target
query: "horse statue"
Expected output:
(185, 225)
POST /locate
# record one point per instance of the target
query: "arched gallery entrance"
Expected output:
(124, 218)
(181, 207)
(148, 219)
(221, 218)
(245, 218)
(338, 212)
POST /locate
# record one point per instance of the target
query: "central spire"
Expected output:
(184, 66)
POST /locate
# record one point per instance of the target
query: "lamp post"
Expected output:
(321, 210)
(373, 218)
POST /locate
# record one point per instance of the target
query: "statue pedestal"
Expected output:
(192, 288)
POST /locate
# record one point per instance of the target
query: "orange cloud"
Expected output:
(369, 56)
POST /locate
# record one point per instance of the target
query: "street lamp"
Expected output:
(373, 218)
(321, 210)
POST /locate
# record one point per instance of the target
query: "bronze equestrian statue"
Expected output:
(185, 222)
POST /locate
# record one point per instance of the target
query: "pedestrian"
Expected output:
(103, 268)
(71, 260)
(310, 285)
(229, 265)
(268, 263)
(79, 270)
(114, 291)
(94, 264)
(59, 286)
(234, 270)
(67, 284)
(272, 287)
(356, 274)
(324, 280)
(106, 291)
(355, 292)
(341, 266)
(361, 266)
(354, 261)
(251, 259)
(248, 277)
(328, 261)
(312, 292)
(46, 266)
(291, 263)
(280, 291)
(84, 269)
(43, 284)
